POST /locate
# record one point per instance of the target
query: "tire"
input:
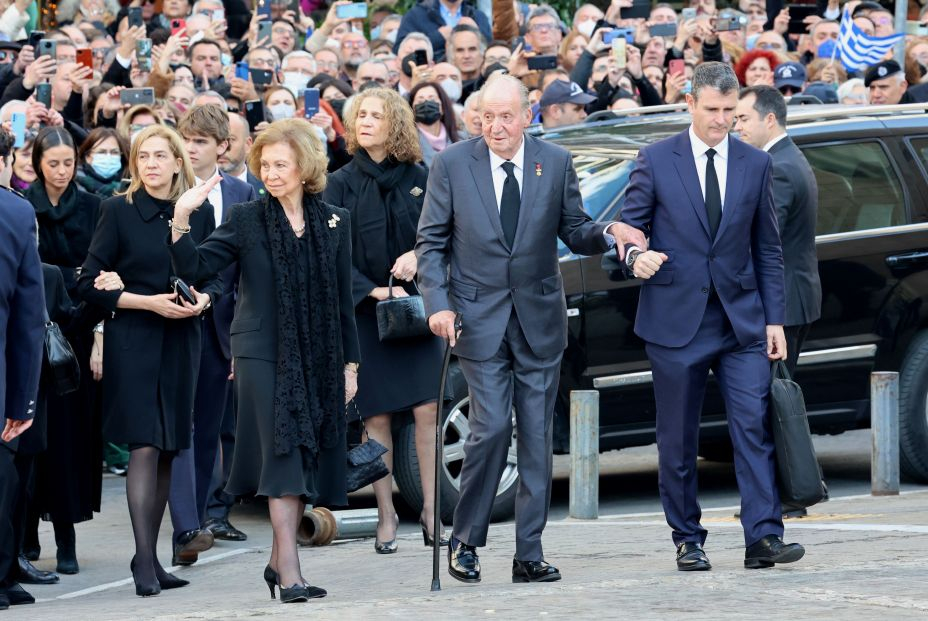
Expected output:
(913, 411)
(454, 424)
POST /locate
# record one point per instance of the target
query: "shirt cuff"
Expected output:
(610, 240)
(125, 62)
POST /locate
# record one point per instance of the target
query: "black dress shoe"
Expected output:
(771, 550)
(27, 573)
(463, 563)
(223, 529)
(690, 557)
(17, 595)
(189, 544)
(31, 552)
(4, 602)
(534, 571)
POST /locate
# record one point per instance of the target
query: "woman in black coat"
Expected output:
(151, 347)
(294, 343)
(68, 475)
(383, 187)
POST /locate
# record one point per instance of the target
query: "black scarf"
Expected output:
(310, 389)
(385, 216)
(65, 229)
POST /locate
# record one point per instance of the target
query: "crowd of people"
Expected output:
(124, 125)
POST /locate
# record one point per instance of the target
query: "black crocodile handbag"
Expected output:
(365, 461)
(61, 365)
(400, 318)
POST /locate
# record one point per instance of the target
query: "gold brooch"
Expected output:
(416, 191)
(537, 169)
(333, 221)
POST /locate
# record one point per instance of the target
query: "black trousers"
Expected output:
(9, 491)
(795, 336)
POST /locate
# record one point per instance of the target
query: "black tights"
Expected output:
(147, 486)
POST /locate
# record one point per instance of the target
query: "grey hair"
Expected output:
(392, 17)
(418, 36)
(543, 10)
(196, 5)
(510, 80)
(472, 102)
(719, 76)
(224, 105)
(844, 90)
(68, 9)
(299, 54)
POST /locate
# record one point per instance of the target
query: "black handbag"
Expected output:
(60, 364)
(365, 462)
(798, 473)
(400, 318)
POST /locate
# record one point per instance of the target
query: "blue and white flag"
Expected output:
(857, 50)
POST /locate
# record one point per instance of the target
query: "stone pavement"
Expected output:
(866, 559)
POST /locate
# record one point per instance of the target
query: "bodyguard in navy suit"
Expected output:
(22, 297)
(712, 298)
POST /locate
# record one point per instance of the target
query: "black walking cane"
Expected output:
(439, 458)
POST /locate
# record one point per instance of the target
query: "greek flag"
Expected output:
(857, 50)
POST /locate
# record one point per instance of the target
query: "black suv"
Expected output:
(871, 165)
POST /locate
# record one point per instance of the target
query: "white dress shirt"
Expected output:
(499, 173)
(770, 144)
(720, 160)
(214, 197)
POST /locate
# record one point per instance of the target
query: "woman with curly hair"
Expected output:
(756, 67)
(383, 188)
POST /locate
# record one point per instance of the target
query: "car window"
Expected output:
(857, 187)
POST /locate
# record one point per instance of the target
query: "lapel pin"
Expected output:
(537, 169)
(416, 191)
(333, 221)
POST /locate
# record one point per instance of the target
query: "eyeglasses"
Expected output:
(100, 52)
(769, 46)
(327, 65)
(282, 31)
(543, 27)
(7, 55)
(354, 45)
(260, 62)
(380, 81)
(491, 60)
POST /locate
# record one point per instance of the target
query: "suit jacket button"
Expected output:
(704, 290)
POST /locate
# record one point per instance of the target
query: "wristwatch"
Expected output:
(631, 257)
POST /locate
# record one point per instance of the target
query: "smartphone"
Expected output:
(241, 71)
(677, 66)
(264, 30)
(610, 35)
(137, 96)
(261, 76)
(420, 58)
(43, 94)
(542, 63)
(135, 16)
(310, 102)
(798, 13)
(264, 9)
(47, 47)
(618, 52)
(143, 54)
(663, 30)
(34, 37)
(725, 24)
(254, 113)
(638, 9)
(688, 13)
(18, 123)
(177, 25)
(182, 291)
(85, 57)
(355, 10)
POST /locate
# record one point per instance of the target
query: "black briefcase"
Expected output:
(798, 474)
(400, 318)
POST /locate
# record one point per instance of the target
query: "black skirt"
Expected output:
(395, 375)
(256, 469)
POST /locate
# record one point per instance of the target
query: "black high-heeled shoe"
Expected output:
(271, 578)
(387, 547)
(172, 582)
(428, 540)
(143, 590)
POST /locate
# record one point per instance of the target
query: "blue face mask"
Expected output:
(375, 33)
(106, 165)
(225, 59)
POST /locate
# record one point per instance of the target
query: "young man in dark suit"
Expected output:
(22, 328)
(712, 298)
(205, 130)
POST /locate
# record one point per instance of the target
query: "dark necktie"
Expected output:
(713, 194)
(509, 204)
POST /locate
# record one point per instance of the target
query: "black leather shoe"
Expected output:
(17, 595)
(27, 573)
(189, 544)
(690, 557)
(4, 602)
(463, 562)
(31, 552)
(223, 529)
(534, 571)
(771, 550)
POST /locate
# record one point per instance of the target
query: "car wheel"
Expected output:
(913, 410)
(455, 428)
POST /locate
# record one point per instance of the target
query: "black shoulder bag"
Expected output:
(60, 364)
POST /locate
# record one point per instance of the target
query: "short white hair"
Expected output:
(418, 36)
(298, 54)
(512, 81)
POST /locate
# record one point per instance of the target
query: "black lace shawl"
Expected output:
(310, 387)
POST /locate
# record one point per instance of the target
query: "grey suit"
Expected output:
(795, 194)
(514, 317)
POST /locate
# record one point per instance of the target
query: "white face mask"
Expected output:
(391, 36)
(586, 28)
(281, 111)
(452, 88)
(334, 44)
(295, 81)
(320, 134)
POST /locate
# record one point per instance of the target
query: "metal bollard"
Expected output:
(884, 427)
(584, 454)
(320, 527)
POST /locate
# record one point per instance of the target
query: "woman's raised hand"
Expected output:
(190, 200)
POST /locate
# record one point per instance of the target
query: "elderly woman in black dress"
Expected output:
(383, 187)
(151, 349)
(294, 343)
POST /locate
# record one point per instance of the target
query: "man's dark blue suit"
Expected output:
(707, 308)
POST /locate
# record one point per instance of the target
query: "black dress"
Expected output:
(150, 363)
(398, 374)
(68, 474)
(256, 468)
